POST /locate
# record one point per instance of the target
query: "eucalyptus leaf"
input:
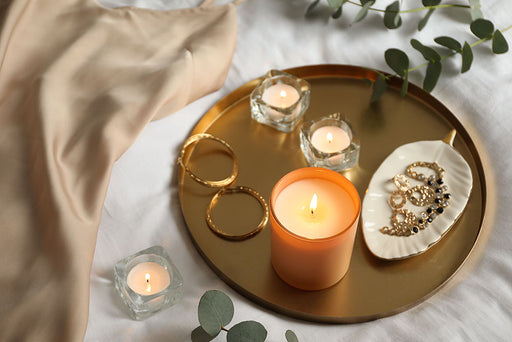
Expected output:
(290, 336)
(499, 43)
(215, 311)
(428, 53)
(335, 3)
(430, 2)
(482, 28)
(449, 42)
(405, 84)
(392, 19)
(476, 12)
(247, 331)
(364, 10)
(379, 87)
(397, 60)
(432, 75)
(199, 335)
(467, 57)
(425, 19)
(311, 7)
(336, 14)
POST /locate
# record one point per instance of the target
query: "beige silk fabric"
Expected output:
(78, 83)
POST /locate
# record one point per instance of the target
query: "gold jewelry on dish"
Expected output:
(401, 182)
(420, 195)
(420, 176)
(232, 190)
(394, 197)
(211, 184)
(432, 196)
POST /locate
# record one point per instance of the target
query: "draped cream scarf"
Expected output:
(78, 83)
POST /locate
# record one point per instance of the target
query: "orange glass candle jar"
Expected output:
(314, 214)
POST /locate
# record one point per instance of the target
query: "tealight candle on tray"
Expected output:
(280, 100)
(330, 143)
(314, 214)
(148, 282)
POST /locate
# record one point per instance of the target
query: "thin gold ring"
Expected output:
(232, 190)
(211, 184)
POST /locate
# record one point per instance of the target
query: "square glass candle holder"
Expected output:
(330, 143)
(148, 282)
(280, 100)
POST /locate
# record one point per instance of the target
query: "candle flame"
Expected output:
(329, 137)
(312, 204)
(283, 93)
(148, 284)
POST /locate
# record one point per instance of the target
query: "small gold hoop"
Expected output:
(397, 195)
(233, 190)
(401, 182)
(211, 184)
(426, 195)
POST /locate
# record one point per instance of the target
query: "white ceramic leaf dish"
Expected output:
(376, 211)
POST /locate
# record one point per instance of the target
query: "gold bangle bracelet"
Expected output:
(233, 190)
(212, 184)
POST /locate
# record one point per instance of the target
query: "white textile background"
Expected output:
(142, 206)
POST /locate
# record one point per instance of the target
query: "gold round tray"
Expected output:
(372, 288)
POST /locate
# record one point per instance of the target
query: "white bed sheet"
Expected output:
(142, 206)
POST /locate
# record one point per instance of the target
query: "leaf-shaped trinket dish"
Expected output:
(453, 194)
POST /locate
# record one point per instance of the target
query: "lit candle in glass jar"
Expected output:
(330, 139)
(280, 95)
(280, 100)
(314, 217)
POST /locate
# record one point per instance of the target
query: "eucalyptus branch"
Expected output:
(215, 312)
(398, 60)
(412, 10)
(392, 13)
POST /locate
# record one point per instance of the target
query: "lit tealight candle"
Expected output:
(314, 216)
(280, 95)
(148, 278)
(330, 139)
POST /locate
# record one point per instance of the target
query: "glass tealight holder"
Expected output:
(329, 143)
(148, 282)
(280, 100)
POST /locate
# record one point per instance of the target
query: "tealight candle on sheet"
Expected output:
(148, 282)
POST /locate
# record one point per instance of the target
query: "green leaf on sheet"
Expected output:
(379, 87)
(364, 10)
(397, 60)
(290, 336)
(215, 311)
(499, 43)
(430, 2)
(310, 8)
(335, 3)
(482, 28)
(476, 12)
(449, 43)
(199, 335)
(428, 53)
(467, 57)
(423, 22)
(392, 19)
(405, 84)
(247, 331)
(336, 14)
(432, 75)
